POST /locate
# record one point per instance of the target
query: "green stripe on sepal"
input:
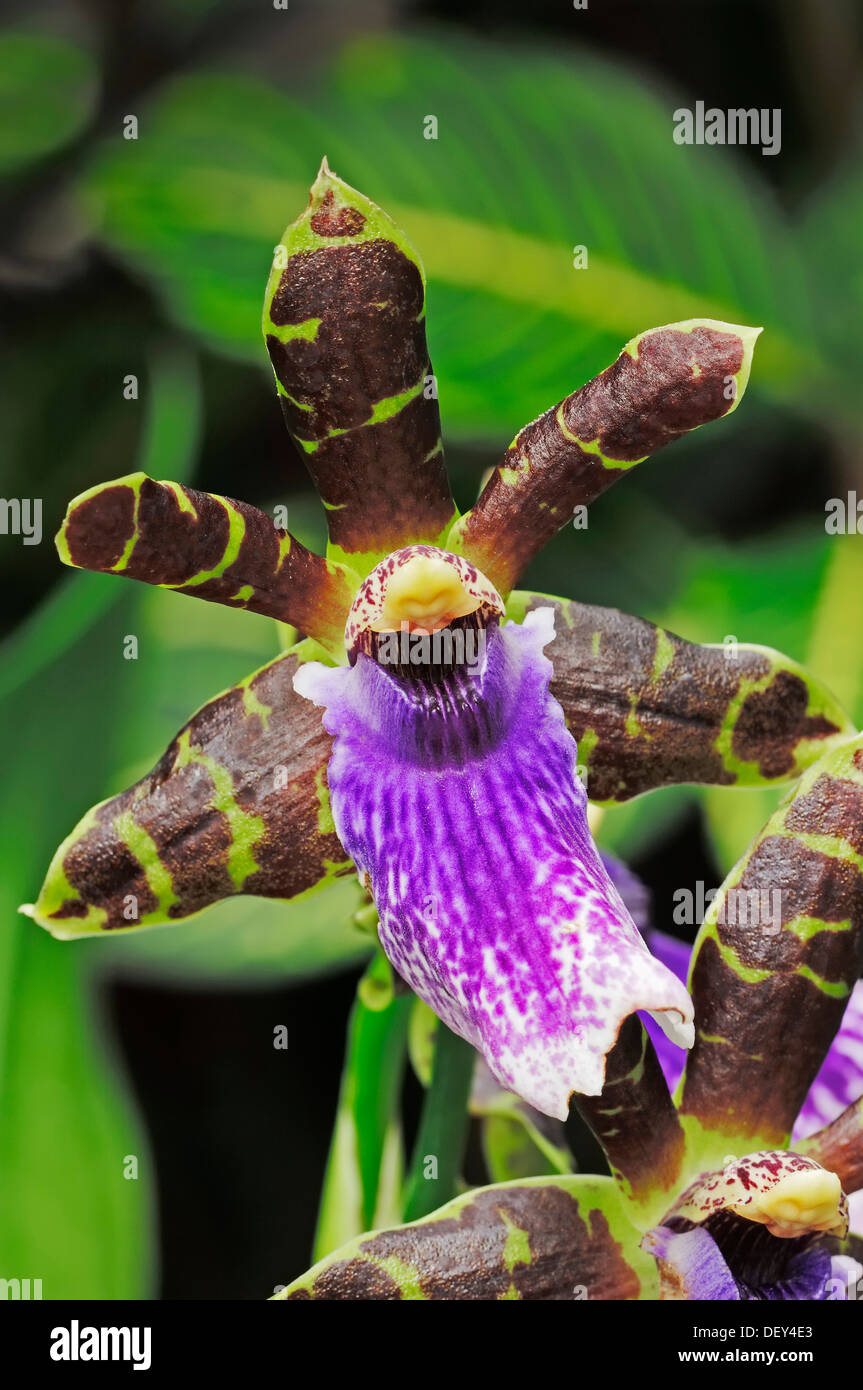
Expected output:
(666, 382)
(344, 324)
(775, 962)
(649, 709)
(211, 547)
(238, 804)
(561, 1238)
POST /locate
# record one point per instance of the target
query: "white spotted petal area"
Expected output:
(456, 793)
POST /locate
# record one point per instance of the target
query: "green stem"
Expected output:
(363, 1176)
(443, 1128)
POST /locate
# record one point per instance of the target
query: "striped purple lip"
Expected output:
(458, 799)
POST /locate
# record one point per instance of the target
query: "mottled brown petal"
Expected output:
(212, 547)
(555, 1239)
(344, 324)
(635, 1121)
(648, 709)
(665, 382)
(238, 804)
(776, 959)
(839, 1146)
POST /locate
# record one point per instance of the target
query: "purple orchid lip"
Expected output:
(723, 1266)
(458, 799)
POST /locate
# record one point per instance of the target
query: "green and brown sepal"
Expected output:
(776, 959)
(237, 804)
(555, 1239)
(208, 546)
(666, 382)
(344, 323)
(649, 709)
(636, 1123)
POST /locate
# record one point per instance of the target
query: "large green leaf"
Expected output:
(534, 155)
(47, 90)
(68, 1214)
(74, 1212)
(830, 241)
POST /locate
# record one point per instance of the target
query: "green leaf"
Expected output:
(830, 242)
(68, 1215)
(47, 92)
(71, 1213)
(494, 206)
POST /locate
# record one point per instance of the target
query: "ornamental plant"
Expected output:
(433, 729)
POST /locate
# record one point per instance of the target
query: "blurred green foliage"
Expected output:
(47, 95)
(495, 204)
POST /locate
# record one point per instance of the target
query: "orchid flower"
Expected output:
(461, 716)
(709, 1198)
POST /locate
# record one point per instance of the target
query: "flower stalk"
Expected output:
(442, 1135)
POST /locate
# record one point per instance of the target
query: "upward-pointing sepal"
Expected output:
(344, 323)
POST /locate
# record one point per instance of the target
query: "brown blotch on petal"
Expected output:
(361, 475)
(353, 1280)
(363, 359)
(99, 527)
(333, 221)
(772, 721)
(194, 848)
(664, 395)
(171, 544)
(375, 273)
(107, 875)
(678, 716)
(733, 1082)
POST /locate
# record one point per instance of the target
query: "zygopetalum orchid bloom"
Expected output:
(707, 1200)
(445, 770)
